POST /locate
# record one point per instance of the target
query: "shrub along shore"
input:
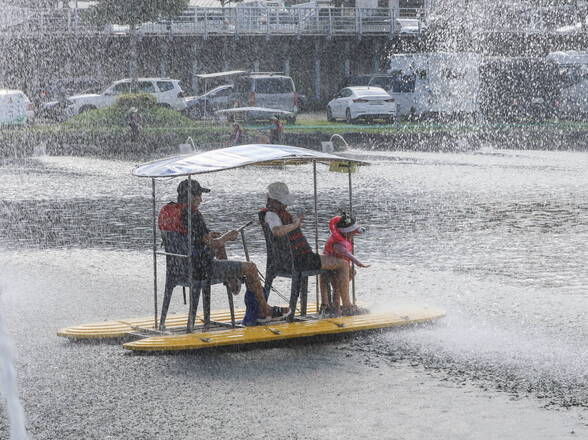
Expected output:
(105, 133)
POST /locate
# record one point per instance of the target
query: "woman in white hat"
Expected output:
(282, 224)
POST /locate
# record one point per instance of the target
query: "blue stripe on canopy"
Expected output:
(233, 157)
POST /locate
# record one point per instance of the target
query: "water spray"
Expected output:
(9, 388)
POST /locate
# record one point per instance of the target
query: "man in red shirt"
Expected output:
(209, 247)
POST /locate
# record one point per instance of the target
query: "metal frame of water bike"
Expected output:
(236, 157)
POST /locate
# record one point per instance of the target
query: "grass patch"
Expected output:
(154, 118)
(105, 132)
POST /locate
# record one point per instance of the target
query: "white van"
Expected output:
(573, 77)
(267, 90)
(433, 83)
(15, 108)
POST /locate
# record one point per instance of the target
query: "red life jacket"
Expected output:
(298, 241)
(334, 238)
(170, 218)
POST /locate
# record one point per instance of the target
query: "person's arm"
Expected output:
(216, 241)
(341, 251)
(202, 235)
(281, 230)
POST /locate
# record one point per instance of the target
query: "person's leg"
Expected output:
(220, 253)
(340, 276)
(234, 284)
(225, 270)
(253, 283)
(324, 280)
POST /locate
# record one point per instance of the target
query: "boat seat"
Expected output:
(280, 263)
(177, 274)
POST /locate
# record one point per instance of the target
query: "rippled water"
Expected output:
(498, 239)
(518, 215)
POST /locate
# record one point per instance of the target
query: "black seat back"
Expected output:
(176, 267)
(279, 251)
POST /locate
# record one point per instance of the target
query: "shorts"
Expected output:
(308, 262)
(225, 270)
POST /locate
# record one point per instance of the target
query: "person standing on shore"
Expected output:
(134, 122)
(276, 131)
(237, 134)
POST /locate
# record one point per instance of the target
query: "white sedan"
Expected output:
(362, 102)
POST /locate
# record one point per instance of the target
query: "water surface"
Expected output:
(499, 239)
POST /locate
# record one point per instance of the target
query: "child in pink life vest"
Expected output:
(339, 245)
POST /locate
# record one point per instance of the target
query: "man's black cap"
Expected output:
(196, 188)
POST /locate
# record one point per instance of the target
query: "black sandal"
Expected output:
(278, 313)
(329, 310)
(354, 310)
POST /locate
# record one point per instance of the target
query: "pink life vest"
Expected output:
(334, 238)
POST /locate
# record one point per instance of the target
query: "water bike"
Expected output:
(195, 330)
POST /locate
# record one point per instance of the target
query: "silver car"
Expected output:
(268, 91)
(209, 102)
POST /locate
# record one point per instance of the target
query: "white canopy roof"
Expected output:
(569, 57)
(221, 74)
(234, 157)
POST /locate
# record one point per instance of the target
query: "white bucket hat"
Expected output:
(279, 191)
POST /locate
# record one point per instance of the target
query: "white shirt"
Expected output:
(272, 219)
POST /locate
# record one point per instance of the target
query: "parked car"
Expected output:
(572, 83)
(209, 102)
(192, 20)
(265, 90)
(15, 108)
(356, 80)
(166, 91)
(59, 89)
(412, 26)
(514, 88)
(353, 103)
(433, 83)
(56, 109)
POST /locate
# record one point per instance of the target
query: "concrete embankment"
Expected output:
(519, 138)
(413, 137)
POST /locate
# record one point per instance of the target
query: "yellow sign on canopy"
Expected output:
(343, 167)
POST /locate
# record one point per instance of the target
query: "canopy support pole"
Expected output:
(242, 232)
(154, 252)
(351, 213)
(315, 226)
(190, 265)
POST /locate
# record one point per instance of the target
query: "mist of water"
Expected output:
(9, 387)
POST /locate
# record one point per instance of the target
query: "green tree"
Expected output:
(133, 13)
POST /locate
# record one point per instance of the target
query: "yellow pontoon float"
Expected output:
(222, 328)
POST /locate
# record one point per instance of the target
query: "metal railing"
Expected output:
(243, 20)
(500, 16)
(508, 17)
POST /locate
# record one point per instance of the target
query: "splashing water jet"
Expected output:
(9, 388)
